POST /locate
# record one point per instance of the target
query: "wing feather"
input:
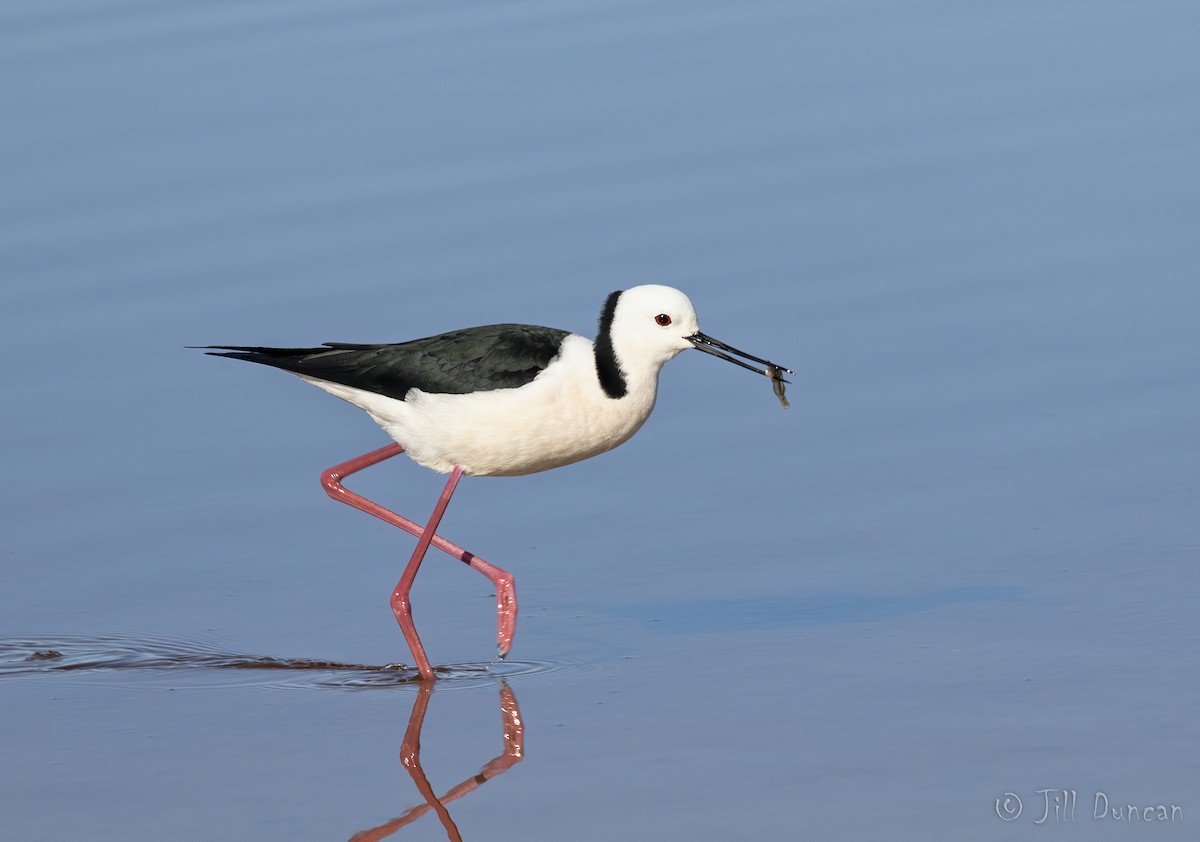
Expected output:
(472, 360)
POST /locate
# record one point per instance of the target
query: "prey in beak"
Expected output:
(705, 343)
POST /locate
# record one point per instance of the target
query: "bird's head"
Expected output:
(649, 325)
(643, 327)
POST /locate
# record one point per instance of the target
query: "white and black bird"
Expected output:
(501, 400)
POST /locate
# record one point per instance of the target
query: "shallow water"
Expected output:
(958, 572)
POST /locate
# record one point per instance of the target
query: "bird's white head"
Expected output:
(651, 324)
(640, 329)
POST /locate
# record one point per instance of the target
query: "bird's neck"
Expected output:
(612, 376)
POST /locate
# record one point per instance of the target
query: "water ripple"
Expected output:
(90, 654)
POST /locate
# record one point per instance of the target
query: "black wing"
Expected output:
(476, 359)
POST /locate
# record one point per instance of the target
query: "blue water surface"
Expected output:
(955, 582)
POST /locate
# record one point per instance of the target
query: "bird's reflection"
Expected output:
(513, 729)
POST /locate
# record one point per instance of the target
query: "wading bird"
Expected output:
(501, 400)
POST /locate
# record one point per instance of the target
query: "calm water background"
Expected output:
(964, 564)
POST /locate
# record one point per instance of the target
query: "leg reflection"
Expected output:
(410, 755)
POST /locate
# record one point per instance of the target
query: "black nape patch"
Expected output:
(612, 380)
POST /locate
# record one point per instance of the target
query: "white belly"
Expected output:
(560, 417)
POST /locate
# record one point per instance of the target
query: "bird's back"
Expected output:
(475, 359)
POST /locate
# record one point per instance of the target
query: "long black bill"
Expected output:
(708, 345)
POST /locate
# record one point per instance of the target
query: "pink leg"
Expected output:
(506, 596)
(400, 602)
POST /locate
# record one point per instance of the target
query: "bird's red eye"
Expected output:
(662, 319)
